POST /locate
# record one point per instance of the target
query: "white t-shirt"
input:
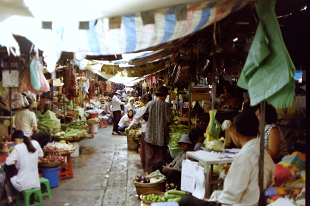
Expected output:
(27, 165)
(123, 120)
(25, 121)
(241, 183)
(136, 119)
(116, 104)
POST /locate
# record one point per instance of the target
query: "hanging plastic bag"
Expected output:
(24, 80)
(45, 87)
(214, 128)
(34, 75)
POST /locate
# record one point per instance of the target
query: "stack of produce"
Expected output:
(152, 182)
(48, 122)
(175, 134)
(169, 196)
(74, 125)
(174, 195)
(62, 147)
(72, 133)
(52, 156)
(134, 133)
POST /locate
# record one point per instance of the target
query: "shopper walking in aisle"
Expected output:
(116, 108)
(157, 129)
(140, 111)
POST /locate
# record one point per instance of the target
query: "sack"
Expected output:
(24, 80)
(34, 75)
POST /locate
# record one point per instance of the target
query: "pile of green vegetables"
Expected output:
(70, 133)
(176, 134)
(135, 132)
(170, 196)
(74, 125)
(48, 122)
(175, 116)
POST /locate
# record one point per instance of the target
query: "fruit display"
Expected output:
(153, 198)
(172, 186)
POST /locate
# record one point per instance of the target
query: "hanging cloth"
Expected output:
(268, 73)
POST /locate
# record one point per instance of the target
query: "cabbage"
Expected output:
(176, 133)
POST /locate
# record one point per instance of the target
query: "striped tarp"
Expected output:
(136, 32)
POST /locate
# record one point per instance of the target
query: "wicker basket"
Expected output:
(149, 187)
(149, 193)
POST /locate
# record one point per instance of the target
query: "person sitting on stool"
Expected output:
(173, 170)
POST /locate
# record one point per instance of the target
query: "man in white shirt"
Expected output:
(241, 184)
(116, 108)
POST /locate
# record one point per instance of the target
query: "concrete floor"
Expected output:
(103, 174)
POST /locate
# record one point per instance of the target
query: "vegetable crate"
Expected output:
(174, 152)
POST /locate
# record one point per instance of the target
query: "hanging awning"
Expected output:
(143, 27)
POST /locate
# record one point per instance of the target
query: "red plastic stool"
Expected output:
(103, 123)
(66, 170)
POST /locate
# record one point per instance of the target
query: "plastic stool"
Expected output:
(45, 191)
(67, 166)
(27, 194)
(103, 123)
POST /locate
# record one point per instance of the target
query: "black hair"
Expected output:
(18, 134)
(195, 133)
(146, 98)
(271, 115)
(246, 124)
(30, 103)
(230, 89)
(161, 95)
(129, 111)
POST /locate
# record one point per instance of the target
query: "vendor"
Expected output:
(26, 121)
(136, 119)
(173, 169)
(275, 142)
(24, 158)
(116, 108)
(125, 121)
(230, 95)
(108, 110)
(241, 183)
(130, 104)
(196, 136)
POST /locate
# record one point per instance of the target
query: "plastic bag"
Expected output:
(34, 75)
(214, 128)
(24, 80)
(45, 87)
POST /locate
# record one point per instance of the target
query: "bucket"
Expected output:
(95, 115)
(76, 152)
(52, 174)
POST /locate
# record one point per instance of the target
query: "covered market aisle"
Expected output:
(103, 174)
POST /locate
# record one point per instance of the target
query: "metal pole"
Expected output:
(190, 92)
(178, 102)
(213, 80)
(262, 150)
(52, 81)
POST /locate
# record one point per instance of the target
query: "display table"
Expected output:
(211, 158)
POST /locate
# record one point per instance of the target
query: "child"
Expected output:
(196, 136)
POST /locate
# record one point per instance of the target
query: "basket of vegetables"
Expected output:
(176, 134)
(149, 197)
(150, 183)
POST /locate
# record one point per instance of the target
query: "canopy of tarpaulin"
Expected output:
(135, 30)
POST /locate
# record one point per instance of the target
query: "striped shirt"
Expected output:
(283, 145)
